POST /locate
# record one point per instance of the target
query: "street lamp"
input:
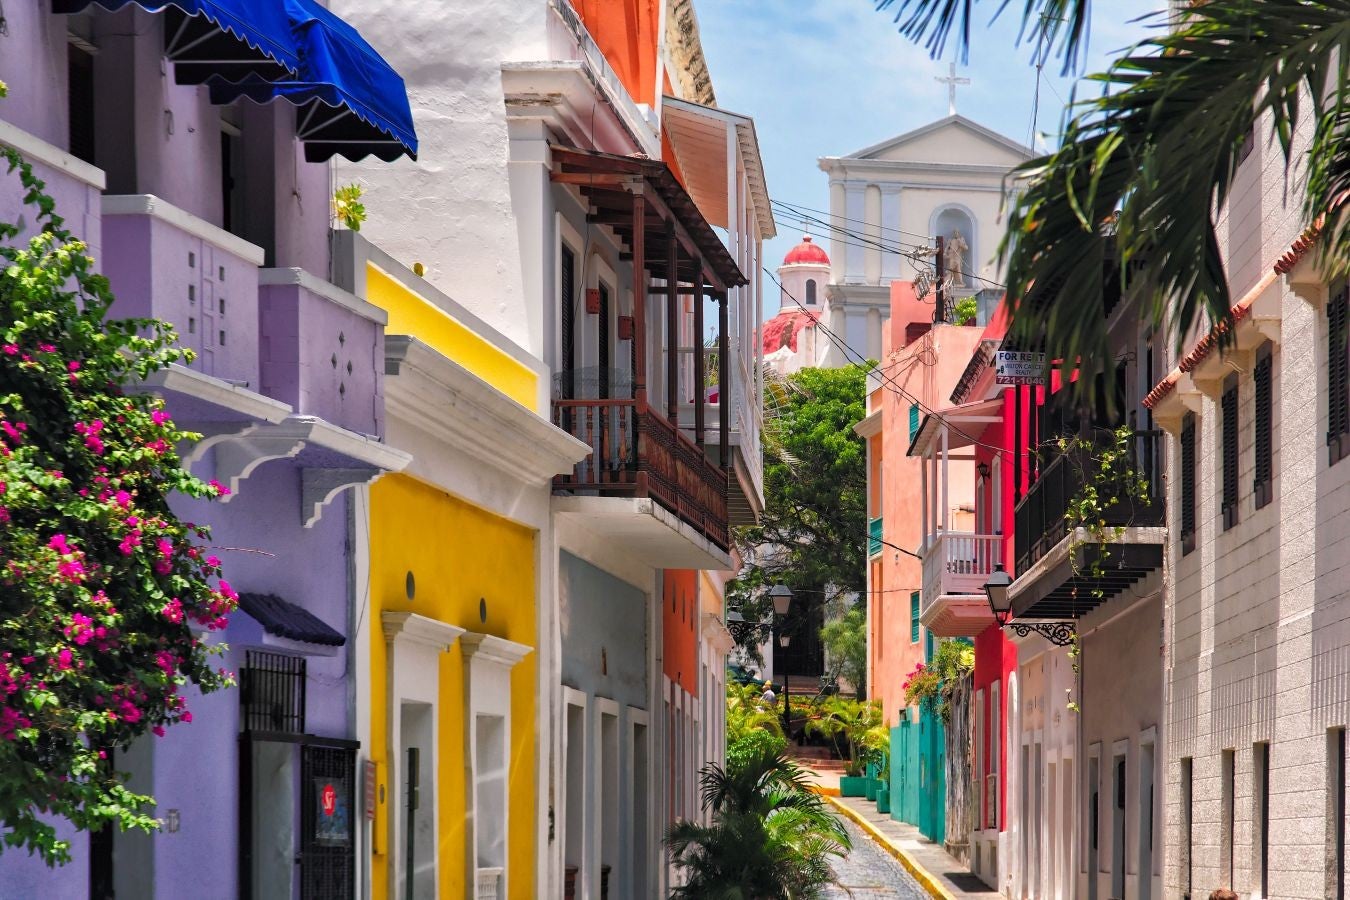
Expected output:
(781, 595)
(1061, 634)
(996, 589)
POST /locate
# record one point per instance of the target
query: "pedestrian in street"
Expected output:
(768, 699)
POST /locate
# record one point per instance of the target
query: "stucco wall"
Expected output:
(680, 627)
(601, 618)
(459, 555)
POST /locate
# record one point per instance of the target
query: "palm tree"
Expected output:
(859, 723)
(771, 837)
(1144, 168)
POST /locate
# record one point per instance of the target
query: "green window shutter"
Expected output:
(913, 420)
(914, 617)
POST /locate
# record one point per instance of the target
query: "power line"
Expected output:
(887, 381)
(798, 206)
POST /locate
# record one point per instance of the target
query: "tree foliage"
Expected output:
(770, 838)
(932, 685)
(845, 640)
(859, 723)
(101, 585)
(812, 536)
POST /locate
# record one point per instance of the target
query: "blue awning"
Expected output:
(229, 39)
(351, 100)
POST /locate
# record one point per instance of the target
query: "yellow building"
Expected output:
(450, 622)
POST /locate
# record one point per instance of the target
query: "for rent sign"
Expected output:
(1016, 367)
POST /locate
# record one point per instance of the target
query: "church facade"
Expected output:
(890, 202)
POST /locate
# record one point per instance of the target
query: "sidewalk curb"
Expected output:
(925, 879)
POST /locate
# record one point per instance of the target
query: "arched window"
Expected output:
(810, 292)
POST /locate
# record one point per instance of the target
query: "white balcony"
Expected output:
(956, 566)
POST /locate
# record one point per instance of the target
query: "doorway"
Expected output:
(1118, 828)
(1094, 800)
(1146, 822)
(417, 802)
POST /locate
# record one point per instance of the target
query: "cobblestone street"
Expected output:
(871, 872)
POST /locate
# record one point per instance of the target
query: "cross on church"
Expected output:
(951, 81)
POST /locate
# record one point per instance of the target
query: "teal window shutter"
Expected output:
(914, 617)
(913, 424)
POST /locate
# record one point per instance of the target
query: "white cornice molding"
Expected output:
(182, 380)
(322, 433)
(447, 401)
(870, 425)
(36, 150)
(409, 627)
(567, 91)
(159, 208)
(324, 289)
(492, 649)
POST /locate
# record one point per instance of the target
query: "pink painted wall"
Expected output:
(926, 369)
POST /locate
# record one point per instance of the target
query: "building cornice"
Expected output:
(411, 628)
(439, 396)
(492, 649)
(36, 150)
(325, 289)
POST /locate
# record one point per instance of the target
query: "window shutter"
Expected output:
(1338, 376)
(1188, 484)
(914, 617)
(1229, 405)
(1263, 474)
(913, 420)
(603, 352)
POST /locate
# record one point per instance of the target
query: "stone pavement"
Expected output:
(870, 873)
(932, 868)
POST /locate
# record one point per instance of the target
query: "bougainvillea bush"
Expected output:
(105, 595)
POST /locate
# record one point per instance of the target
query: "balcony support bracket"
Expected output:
(1061, 634)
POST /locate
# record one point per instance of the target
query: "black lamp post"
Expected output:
(781, 595)
(1061, 634)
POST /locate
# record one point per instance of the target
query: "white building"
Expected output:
(890, 199)
(793, 339)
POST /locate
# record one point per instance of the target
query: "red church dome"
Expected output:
(807, 252)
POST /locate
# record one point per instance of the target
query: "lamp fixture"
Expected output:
(784, 640)
(1061, 634)
(983, 469)
(781, 595)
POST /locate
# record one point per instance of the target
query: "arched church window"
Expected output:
(810, 291)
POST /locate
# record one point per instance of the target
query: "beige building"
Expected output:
(1258, 673)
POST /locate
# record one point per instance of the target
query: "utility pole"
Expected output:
(940, 307)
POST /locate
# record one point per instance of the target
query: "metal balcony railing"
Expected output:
(1040, 516)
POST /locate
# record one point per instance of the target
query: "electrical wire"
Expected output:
(887, 381)
(798, 206)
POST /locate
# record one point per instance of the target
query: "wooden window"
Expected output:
(1229, 409)
(1188, 484)
(1261, 813)
(1187, 823)
(567, 299)
(1227, 814)
(913, 420)
(80, 103)
(603, 352)
(1263, 474)
(914, 617)
(810, 292)
(1338, 376)
(1335, 885)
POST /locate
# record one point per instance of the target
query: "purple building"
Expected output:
(208, 205)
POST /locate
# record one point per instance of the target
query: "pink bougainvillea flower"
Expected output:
(173, 611)
(10, 349)
(159, 416)
(221, 489)
(158, 730)
(73, 365)
(63, 659)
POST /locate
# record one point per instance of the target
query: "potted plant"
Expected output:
(858, 724)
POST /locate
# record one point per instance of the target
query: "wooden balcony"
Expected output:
(637, 453)
(955, 567)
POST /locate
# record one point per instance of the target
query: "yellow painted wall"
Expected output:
(458, 553)
(411, 313)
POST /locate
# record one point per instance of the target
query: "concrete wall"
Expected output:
(601, 617)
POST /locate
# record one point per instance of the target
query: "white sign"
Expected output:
(1015, 367)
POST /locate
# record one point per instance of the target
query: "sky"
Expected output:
(830, 77)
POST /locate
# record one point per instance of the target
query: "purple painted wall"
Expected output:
(323, 359)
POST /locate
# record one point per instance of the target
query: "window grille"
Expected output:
(273, 692)
(1229, 404)
(914, 617)
(328, 811)
(1338, 376)
(1188, 484)
(1263, 451)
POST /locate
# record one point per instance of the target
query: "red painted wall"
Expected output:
(679, 632)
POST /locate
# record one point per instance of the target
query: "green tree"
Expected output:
(771, 837)
(812, 535)
(1145, 165)
(101, 585)
(845, 640)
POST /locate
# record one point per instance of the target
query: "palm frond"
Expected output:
(1131, 196)
(1058, 28)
